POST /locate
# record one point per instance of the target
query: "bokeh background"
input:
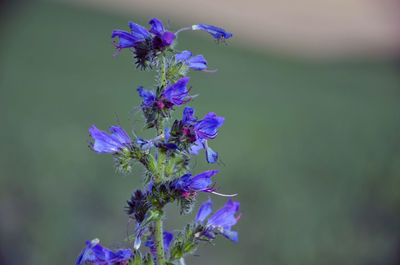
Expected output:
(310, 91)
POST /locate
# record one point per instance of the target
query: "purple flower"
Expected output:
(207, 128)
(98, 255)
(197, 62)
(165, 143)
(139, 233)
(106, 143)
(188, 116)
(201, 131)
(162, 37)
(144, 144)
(201, 182)
(211, 155)
(159, 141)
(216, 32)
(177, 92)
(204, 211)
(221, 221)
(167, 238)
(130, 40)
(148, 96)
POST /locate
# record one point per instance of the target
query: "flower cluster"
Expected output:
(166, 157)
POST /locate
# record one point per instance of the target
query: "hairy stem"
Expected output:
(159, 177)
(158, 235)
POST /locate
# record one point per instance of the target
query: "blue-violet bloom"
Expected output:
(177, 92)
(148, 96)
(106, 143)
(221, 221)
(211, 155)
(207, 128)
(216, 32)
(98, 255)
(201, 182)
(188, 116)
(163, 38)
(130, 40)
(197, 62)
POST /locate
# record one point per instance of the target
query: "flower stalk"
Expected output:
(158, 235)
(166, 157)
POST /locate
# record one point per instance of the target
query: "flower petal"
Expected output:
(225, 217)
(207, 128)
(167, 38)
(216, 32)
(177, 92)
(105, 143)
(126, 40)
(196, 147)
(157, 27)
(167, 238)
(197, 62)
(119, 134)
(139, 32)
(97, 254)
(183, 56)
(231, 235)
(204, 211)
(211, 156)
(201, 181)
(188, 115)
(148, 96)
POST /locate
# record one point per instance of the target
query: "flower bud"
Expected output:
(188, 231)
(189, 247)
(177, 250)
(151, 163)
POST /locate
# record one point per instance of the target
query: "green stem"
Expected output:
(159, 177)
(158, 235)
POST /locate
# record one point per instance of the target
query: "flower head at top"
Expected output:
(216, 32)
(177, 92)
(162, 38)
(146, 44)
(109, 143)
(130, 40)
(98, 255)
(167, 238)
(221, 221)
(189, 185)
(197, 62)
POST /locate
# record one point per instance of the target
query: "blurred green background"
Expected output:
(312, 147)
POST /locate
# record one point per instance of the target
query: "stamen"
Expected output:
(182, 29)
(224, 195)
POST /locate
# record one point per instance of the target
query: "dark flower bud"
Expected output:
(138, 206)
(148, 260)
